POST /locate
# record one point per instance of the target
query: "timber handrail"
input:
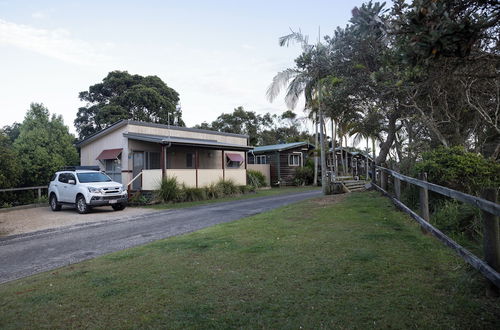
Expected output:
(488, 267)
(481, 203)
(135, 178)
(23, 188)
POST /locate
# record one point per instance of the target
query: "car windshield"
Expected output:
(93, 177)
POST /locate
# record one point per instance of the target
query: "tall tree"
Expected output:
(10, 169)
(124, 96)
(44, 145)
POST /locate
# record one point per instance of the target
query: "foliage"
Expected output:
(261, 129)
(458, 169)
(138, 199)
(256, 178)
(214, 191)
(169, 189)
(457, 219)
(227, 187)
(43, 146)
(191, 194)
(303, 176)
(10, 168)
(124, 96)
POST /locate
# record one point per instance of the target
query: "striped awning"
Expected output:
(235, 157)
(109, 154)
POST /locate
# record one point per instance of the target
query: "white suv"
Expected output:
(85, 187)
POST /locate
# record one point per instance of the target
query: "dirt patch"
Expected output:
(40, 218)
(329, 200)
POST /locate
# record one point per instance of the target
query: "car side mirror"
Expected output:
(71, 182)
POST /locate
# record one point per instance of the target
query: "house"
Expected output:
(143, 153)
(355, 162)
(283, 159)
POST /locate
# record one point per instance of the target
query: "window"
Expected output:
(113, 168)
(261, 159)
(63, 177)
(295, 159)
(233, 164)
(189, 160)
(152, 160)
(87, 177)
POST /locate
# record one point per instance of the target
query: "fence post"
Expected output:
(397, 188)
(491, 239)
(383, 180)
(424, 202)
(39, 194)
(374, 174)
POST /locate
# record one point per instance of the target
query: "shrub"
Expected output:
(303, 176)
(213, 191)
(459, 218)
(138, 199)
(227, 187)
(192, 194)
(169, 189)
(459, 169)
(256, 178)
(246, 189)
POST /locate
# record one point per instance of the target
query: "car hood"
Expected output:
(110, 184)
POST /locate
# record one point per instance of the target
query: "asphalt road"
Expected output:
(31, 253)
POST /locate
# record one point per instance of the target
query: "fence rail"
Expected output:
(490, 267)
(39, 188)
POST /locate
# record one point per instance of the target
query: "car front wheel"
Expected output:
(54, 205)
(81, 205)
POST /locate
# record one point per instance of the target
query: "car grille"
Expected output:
(111, 190)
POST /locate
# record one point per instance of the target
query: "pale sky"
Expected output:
(217, 55)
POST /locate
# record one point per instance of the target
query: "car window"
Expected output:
(70, 177)
(53, 177)
(63, 178)
(86, 177)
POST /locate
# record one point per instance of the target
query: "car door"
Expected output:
(62, 187)
(71, 188)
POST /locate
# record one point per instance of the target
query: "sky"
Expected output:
(217, 55)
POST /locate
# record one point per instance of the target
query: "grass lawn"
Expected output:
(258, 193)
(348, 261)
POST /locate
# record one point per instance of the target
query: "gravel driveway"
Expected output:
(40, 218)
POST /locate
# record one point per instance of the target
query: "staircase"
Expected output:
(355, 185)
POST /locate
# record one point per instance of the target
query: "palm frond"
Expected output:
(295, 89)
(280, 80)
(297, 37)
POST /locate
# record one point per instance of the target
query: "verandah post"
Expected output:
(491, 239)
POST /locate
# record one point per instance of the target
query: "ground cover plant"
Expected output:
(348, 261)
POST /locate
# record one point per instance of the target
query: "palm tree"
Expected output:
(304, 79)
(369, 127)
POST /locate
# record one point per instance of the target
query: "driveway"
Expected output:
(35, 219)
(30, 253)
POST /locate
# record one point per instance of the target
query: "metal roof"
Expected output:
(280, 147)
(212, 144)
(124, 122)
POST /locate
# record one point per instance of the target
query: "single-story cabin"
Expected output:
(355, 162)
(143, 153)
(283, 159)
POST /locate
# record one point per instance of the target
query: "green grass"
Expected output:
(258, 193)
(354, 264)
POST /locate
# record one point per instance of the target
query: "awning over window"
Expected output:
(109, 154)
(235, 157)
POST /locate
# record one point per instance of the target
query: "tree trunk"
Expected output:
(323, 160)
(333, 148)
(387, 144)
(315, 182)
(336, 169)
(342, 155)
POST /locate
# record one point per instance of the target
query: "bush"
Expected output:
(459, 219)
(192, 194)
(459, 169)
(246, 189)
(227, 187)
(169, 189)
(138, 199)
(256, 178)
(213, 191)
(303, 176)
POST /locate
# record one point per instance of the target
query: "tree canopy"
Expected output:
(124, 96)
(43, 146)
(261, 129)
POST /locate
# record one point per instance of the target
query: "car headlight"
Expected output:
(95, 190)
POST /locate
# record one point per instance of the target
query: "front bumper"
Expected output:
(108, 200)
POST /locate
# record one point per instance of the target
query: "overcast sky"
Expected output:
(216, 54)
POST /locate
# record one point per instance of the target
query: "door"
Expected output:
(138, 166)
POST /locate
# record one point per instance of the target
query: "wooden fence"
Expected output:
(490, 267)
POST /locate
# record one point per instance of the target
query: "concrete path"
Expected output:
(27, 254)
